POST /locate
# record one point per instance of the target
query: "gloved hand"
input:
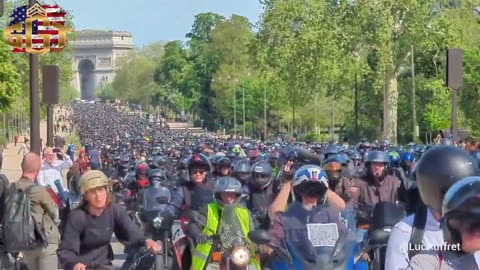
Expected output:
(288, 172)
(201, 238)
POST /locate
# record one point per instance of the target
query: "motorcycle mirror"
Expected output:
(162, 199)
(380, 235)
(259, 237)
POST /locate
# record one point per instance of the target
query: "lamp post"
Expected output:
(243, 105)
(264, 113)
(34, 102)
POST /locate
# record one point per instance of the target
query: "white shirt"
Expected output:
(49, 173)
(397, 249)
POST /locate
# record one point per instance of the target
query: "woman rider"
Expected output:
(89, 228)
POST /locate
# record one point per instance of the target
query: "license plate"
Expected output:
(213, 266)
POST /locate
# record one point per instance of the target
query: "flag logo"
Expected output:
(37, 29)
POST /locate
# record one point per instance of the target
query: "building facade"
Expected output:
(95, 55)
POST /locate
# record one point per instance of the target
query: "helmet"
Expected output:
(223, 162)
(159, 161)
(93, 179)
(310, 180)
(226, 184)
(394, 158)
(438, 169)
(407, 156)
(261, 173)
(377, 156)
(331, 150)
(157, 176)
(242, 166)
(141, 168)
(199, 160)
(332, 164)
(461, 208)
(242, 170)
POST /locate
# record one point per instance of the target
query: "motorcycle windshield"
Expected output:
(155, 198)
(230, 229)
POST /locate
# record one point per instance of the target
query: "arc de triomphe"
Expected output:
(94, 55)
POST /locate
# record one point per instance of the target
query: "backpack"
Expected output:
(18, 226)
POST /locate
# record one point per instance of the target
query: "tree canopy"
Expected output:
(307, 62)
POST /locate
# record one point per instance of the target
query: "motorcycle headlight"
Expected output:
(157, 223)
(240, 256)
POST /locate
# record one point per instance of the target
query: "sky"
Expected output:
(152, 20)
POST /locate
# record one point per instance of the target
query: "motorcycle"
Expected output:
(158, 218)
(336, 258)
(232, 251)
(385, 216)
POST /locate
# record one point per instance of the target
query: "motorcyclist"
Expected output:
(262, 192)
(88, 232)
(461, 230)
(149, 204)
(225, 216)
(198, 191)
(137, 186)
(375, 185)
(439, 168)
(141, 178)
(223, 167)
(309, 185)
(242, 171)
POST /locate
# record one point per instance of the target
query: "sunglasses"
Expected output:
(198, 172)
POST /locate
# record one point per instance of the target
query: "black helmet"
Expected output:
(242, 170)
(461, 208)
(223, 162)
(438, 169)
(199, 160)
(261, 174)
(157, 176)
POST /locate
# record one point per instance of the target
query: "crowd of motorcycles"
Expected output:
(129, 145)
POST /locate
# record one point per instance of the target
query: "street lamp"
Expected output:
(264, 113)
(243, 97)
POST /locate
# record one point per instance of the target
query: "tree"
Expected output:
(229, 45)
(10, 81)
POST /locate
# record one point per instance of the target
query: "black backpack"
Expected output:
(18, 226)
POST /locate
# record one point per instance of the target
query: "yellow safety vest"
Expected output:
(202, 251)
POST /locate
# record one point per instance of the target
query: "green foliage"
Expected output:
(10, 80)
(302, 63)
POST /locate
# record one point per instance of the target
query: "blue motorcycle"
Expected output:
(327, 259)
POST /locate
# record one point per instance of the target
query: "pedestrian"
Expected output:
(2, 154)
(25, 148)
(52, 167)
(44, 212)
(15, 139)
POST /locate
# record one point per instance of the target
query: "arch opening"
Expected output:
(86, 69)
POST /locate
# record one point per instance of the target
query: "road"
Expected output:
(12, 169)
